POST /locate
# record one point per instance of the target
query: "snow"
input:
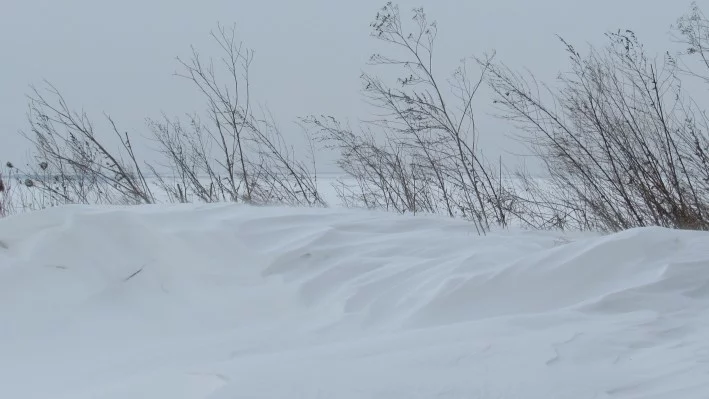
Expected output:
(229, 301)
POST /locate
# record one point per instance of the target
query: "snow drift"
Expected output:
(229, 301)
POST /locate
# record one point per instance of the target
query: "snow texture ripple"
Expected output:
(228, 301)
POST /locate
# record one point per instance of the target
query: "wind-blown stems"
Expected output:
(427, 160)
(621, 142)
(251, 162)
(230, 155)
(624, 146)
(73, 164)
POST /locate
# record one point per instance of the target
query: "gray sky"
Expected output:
(119, 56)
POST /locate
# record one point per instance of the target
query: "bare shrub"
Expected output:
(233, 154)
(692, 30)
(73, 164)
(427, 159)
(21, 193)
(386, 175)
(624, 146)
(6, 191)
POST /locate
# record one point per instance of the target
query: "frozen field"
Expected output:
(229, 301)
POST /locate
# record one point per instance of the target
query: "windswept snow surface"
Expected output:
(231, 301)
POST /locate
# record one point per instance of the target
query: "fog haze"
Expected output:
(119, 57)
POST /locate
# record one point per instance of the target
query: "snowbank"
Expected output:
(230, 301)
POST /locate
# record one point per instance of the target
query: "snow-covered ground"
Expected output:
(229, 301)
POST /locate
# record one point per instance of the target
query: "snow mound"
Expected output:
(228, 301)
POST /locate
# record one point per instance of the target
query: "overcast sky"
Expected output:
(119, 56)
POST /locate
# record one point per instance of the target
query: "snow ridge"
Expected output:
(227, 301)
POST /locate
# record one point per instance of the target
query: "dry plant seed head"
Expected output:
(29, 183)
(10, 165)
(43, 165)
